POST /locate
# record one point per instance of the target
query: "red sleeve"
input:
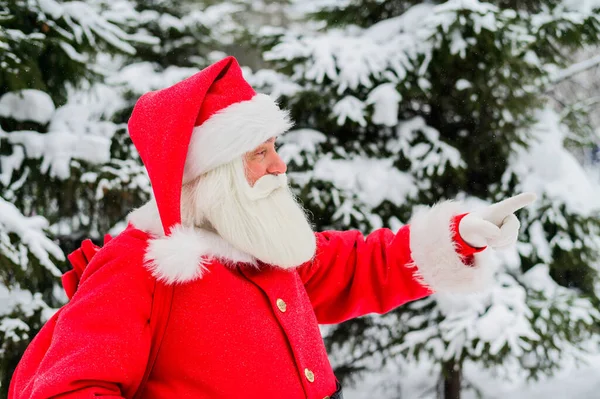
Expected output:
(351, 275)
(102, 337)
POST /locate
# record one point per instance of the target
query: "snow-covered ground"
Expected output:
(418, 382)
(580, 383)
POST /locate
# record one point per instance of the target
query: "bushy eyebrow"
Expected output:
(262, 147)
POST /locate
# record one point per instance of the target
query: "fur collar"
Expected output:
(184, 255)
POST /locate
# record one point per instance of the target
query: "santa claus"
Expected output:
(250, 278)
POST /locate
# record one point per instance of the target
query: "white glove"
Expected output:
(495, 225)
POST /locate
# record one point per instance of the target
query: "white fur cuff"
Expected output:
(433, 251)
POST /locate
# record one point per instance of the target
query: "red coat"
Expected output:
(238, 331)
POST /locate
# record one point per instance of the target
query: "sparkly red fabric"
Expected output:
(79, 259)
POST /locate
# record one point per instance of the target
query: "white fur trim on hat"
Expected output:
(183, 255)
(433, 251)
(233, 131)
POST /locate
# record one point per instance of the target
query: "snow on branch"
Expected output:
(84, 21)
(547, 168)
(31, 232)
(73, 133)
(575, 69)
(372, 181)
(57, 148)
(27, 105)
(429, 157)
(392, 49)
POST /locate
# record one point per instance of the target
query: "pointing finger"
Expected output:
(496, 213)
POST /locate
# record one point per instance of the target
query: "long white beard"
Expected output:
(264, 221)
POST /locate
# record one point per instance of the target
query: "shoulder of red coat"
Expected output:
(123, 254)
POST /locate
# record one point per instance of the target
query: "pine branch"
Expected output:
(575, 69)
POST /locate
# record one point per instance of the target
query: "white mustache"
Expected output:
(264, 186)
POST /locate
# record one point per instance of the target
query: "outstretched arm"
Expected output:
(352, 275)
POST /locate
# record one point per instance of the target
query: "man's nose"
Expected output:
(277, 166)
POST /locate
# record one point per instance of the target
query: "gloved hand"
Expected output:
(495, 225)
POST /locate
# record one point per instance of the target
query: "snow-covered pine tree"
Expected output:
(402, 103)
(48, 140)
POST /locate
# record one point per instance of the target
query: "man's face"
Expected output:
(262, 161)
(249, 203)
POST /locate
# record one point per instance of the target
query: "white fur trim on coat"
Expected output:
(433, 251)
(233, 131)
(184, 254)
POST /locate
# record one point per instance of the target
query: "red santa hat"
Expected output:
(207, 120)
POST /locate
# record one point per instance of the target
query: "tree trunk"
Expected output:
(450, 380)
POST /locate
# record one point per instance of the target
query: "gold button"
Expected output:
(309, 375)
(281, 305)
(326, 397)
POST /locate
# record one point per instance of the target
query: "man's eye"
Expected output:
(261, 153)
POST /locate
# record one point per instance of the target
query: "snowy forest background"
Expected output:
(397, 103)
